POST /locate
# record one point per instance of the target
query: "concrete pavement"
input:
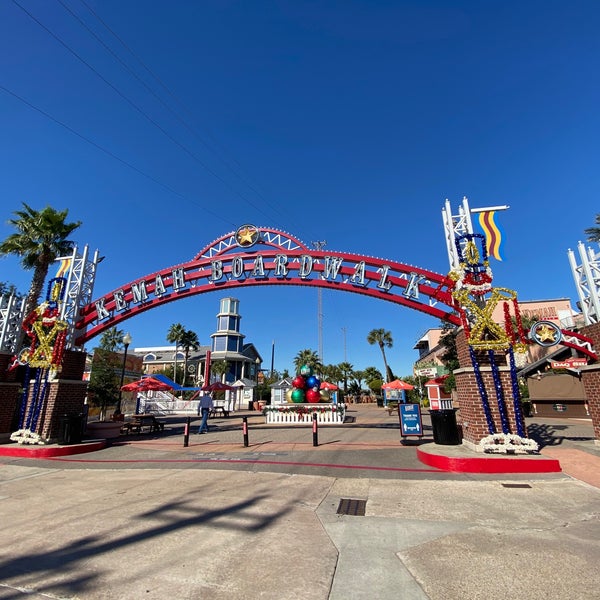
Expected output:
(151, 519)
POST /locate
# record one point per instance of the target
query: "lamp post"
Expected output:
(126, 342)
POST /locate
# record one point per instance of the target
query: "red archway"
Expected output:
(263, 256)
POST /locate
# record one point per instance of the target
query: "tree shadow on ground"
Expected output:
(550, 434)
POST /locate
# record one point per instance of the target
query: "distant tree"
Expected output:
(449, 357)
(384, 340)
(372, 374)
(219, 367)
(310, 358)
(174, 336)
(7, 289)
(112, 340)
(346, 370)
(40, 238)
(189, 341)
(332, 374)
(593, 233)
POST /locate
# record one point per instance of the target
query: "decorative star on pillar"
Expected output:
(545, 333)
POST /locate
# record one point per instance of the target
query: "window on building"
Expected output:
(219, 343)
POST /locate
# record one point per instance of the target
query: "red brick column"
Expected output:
(471, 416)
(10, 391)
(590, 379)
(66, 395)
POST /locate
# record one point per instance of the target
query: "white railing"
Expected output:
(302, 414)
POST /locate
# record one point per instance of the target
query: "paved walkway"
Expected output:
(152, 519)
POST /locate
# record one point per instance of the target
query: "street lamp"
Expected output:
(126, 342)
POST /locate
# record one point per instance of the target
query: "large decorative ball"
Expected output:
(306, 370)
(288, 395)
(299, 382)
(298, 395)
(313, 382)
(313, 396)
(325, 396)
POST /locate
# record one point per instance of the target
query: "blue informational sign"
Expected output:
(410, 420)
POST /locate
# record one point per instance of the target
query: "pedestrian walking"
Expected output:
(206, 405)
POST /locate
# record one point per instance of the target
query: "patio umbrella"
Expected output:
(217, 386)
(325, 385)
(397, 384)
(147, 384)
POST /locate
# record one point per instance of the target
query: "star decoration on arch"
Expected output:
(545, 333)
(246, 236)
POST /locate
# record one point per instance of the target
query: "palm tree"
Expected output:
(383, 339)
(218, 367)
(174, 335)
(593, 233)
(346, 370)
(310, 358)
(112, 339)
(40, 239)
(189, 341)
(372, 374)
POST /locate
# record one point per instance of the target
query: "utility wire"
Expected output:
(138, 109)
(112, 154)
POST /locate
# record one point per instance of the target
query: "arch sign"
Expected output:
(263, 256)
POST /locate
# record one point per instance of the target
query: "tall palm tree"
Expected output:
(112, 339)
(40, 239)
(346, 370)
(218, 367)
(174, 336)
(310, 358)
(372, 374)
(383, 339)
(593, 233)
(189, 341)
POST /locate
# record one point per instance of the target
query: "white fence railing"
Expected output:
(302, 414)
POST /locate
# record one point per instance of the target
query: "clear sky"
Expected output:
(164, 125)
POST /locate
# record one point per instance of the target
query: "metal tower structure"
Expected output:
(587, 281)
(79, 288)
(11, 317)
(460, 224)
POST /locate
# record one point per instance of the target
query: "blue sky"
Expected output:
(348, 121)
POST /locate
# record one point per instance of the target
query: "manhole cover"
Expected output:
(348, 506)
(516, 485)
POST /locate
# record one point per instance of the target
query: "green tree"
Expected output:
(449, 357)
(593, 233)
(106, 368)
(372, 374)
(219, 367)
(310, 358)
(174, 336)
(346, 370)
(7, 289)
(189, 341)
(384, 340)
(40, 238)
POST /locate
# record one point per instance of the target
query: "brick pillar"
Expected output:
(66, 395)
(10, 390)
(471, 416)
(590, 379)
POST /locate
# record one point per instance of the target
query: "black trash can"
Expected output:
(445, 429)
(70, 429)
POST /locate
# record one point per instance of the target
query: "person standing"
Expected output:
(206, 405)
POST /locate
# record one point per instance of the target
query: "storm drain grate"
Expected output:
(352, 507)
(516, 485)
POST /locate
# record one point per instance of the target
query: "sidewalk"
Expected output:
(281, 520)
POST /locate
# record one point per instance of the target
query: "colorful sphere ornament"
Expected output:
(298, 395)
(313, 382)
(299, 382)
(306, 370)
(313, 396)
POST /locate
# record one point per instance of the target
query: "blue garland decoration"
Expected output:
(482, 392)
(40, 400)
(34, 398)
(26, 380)
(516, 393)
(499, 392)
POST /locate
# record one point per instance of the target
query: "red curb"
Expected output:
(50, 451)
(475, 464)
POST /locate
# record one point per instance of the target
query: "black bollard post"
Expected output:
(186, 433)
(245, 430)
(315, 430)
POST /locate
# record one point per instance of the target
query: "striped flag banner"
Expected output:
(63, 268)
(493, 233)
